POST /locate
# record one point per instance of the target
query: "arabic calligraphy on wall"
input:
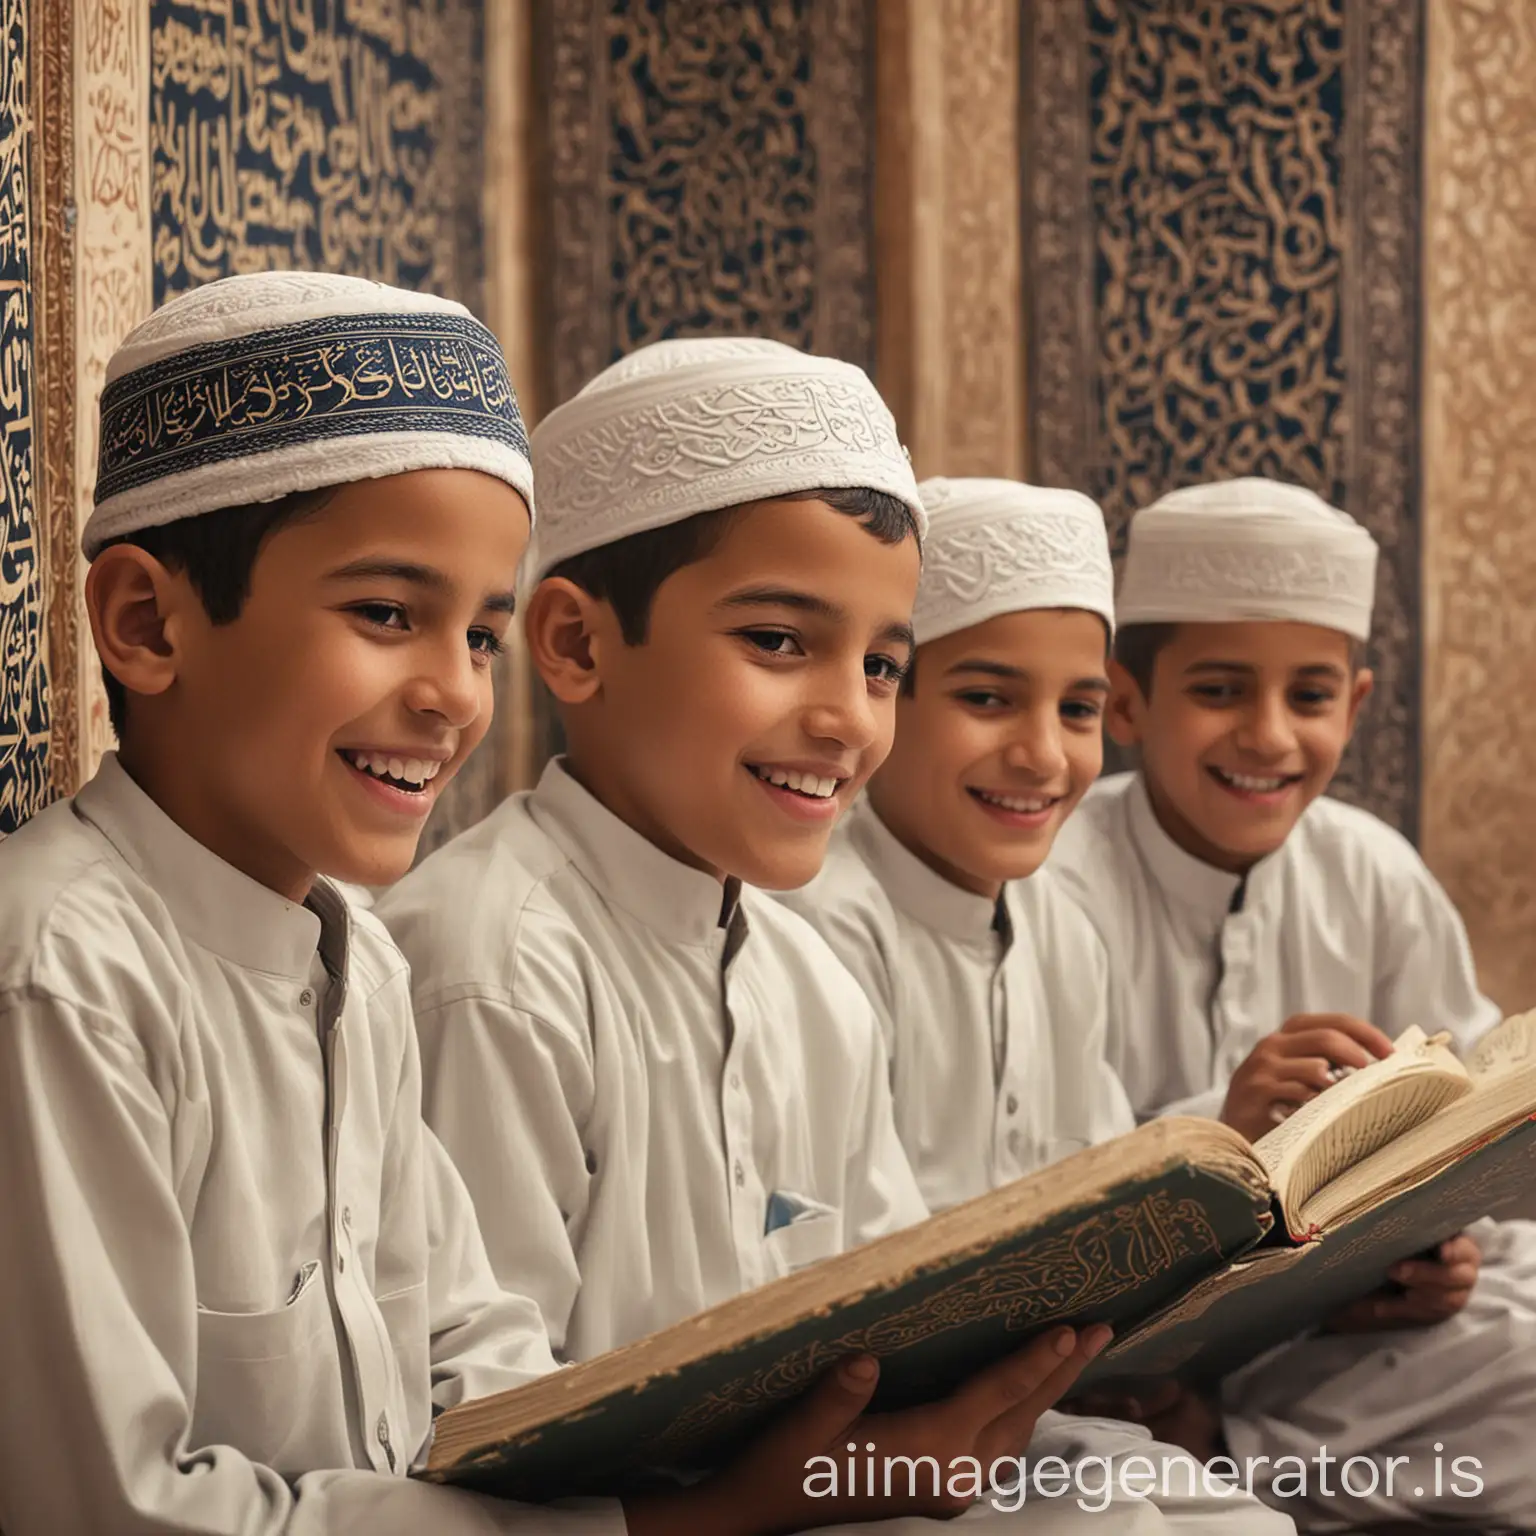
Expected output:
(709, 174)
(1222, 223)
(332, 134)
(24, 701)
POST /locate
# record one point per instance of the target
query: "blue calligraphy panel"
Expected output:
(24, 703)
(320, 134)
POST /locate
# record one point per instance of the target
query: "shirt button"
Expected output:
(346, 1217)
(741, 1175)
(1013, 1143)
(306, 997)
(1013, 1103)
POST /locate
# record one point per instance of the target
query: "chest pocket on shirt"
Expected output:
(265, 1379)
(801, 1232)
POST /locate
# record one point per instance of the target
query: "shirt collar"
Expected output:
(1209, 891)
(919, 891)
(213, 903)
(671, 899)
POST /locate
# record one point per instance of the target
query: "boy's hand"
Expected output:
(763, 1493)
(1424, 1291)
(1295, 1064)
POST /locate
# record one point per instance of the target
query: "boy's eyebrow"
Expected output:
(811, 603)
(417, 575)
(1091, 684)
(1246, 668)
(1328, 669)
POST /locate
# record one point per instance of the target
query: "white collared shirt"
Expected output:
(238, 1269)
(1342, 918)
(994, 1013)
(659, 1095)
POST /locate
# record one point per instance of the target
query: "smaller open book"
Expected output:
(1201, 1251)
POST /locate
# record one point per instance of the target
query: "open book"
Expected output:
(1199, 1249)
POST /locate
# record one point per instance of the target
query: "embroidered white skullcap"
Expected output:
(258, 386)
(689, 426)
(1248, 549)
(1000, 546)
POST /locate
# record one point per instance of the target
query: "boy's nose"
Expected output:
(1038, 750)
(448, 687)
(1268, 727)
(843, 711)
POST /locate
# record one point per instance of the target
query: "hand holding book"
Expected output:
(762, 1493)
(1292, 1066)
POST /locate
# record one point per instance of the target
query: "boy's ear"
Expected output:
(1124, 711)
(567, 638)
(135, 606)
(1359, 691)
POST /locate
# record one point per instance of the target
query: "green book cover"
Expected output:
(1112, 1235)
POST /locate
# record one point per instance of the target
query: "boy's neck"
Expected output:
(177, 790)
(961, 879)
(1188, 839)
(594, 772)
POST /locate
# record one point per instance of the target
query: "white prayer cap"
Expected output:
(689, 426)
(1248, 549)
(255, 387)
(999, 546)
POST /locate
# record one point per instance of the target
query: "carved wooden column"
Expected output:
(950, 355)
(1479, 822)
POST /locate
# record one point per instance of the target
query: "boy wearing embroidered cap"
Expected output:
(661, 1086)
(1262, 936)
(242, 1273)
(990, 985)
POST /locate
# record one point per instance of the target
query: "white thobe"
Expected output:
(241, 1270)
(1342, 918)
(662, 1093)
(994, 1012)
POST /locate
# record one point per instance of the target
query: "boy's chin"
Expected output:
(375, 865)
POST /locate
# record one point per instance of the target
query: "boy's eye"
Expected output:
(1312, 698)
(384, 615)
(884, 669)
(775, 642)
(486, 642)
(1081, 709)
(982, 698)
(1216, 693)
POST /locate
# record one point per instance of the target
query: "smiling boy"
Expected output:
(1262, 935)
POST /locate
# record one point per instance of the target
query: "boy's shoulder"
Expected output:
(468, 914)
(1060, 932)
(1093, 848)
(77, 925)
(1338, 835)
(846, 892)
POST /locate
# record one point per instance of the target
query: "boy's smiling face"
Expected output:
(366, 639)
(999, 739)
(1244, 728)
(761, 699)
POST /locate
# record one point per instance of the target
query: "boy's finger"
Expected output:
(1331, 1045)
(1366, 1036)
(1012, 1430)
(992, 1392)
(824, 1413)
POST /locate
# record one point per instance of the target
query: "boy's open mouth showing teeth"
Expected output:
(409, 774)
(1021, 805)
(1255, 784)
(811, 785)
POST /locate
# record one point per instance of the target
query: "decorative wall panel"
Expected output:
(1480, 464)
(316, 133)
(25, 782)
(708, 171)
(1221, 216)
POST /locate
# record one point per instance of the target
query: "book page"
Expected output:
(1505, 1048)
(1351, 1120)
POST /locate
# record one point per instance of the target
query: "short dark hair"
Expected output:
(1137, 647)
(627, 573)
(217, 551)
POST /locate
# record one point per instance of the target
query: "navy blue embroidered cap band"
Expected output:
(259, 386)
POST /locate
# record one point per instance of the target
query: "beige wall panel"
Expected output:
(115, 288)
(1479, 817)
(950, 358)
